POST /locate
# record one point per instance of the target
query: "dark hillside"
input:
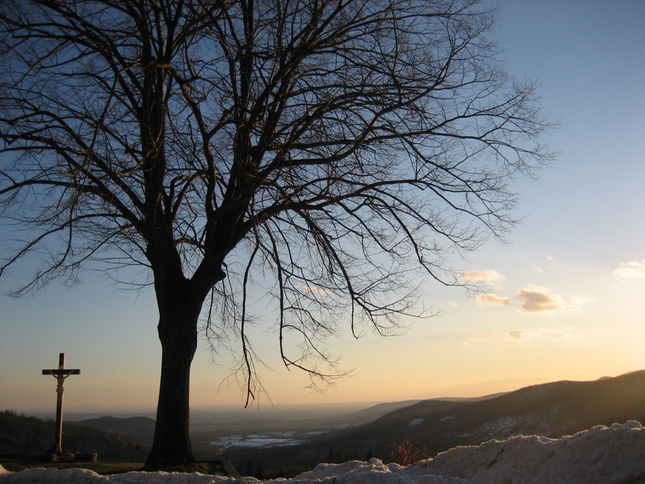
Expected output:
(552, 409)
(141, 429)
(22, 436)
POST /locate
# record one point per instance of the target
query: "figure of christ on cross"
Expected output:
(60, 374)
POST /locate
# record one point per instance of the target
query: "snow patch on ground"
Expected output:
(269, 439)
(415, 421)
(601, 455)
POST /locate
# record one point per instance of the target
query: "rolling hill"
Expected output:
(22, 437)
(552, 410)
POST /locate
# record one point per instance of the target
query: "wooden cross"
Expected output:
(60, 374)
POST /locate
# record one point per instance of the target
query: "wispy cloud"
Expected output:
(490, 298)
(551, 263)
(515, 334)
(534, 299)
(518, 335)
(537, 299)
(487, 275)
(630, 270)
(537, 333)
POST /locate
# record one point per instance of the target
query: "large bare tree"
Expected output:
(334, 147)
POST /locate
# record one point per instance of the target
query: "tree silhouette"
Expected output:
(337, 148)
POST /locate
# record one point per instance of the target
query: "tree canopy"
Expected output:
(332, 147)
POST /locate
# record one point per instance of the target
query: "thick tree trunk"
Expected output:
(179, 312)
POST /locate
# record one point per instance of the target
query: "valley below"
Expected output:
(270, 442)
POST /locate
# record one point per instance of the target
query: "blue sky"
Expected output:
(566, 291)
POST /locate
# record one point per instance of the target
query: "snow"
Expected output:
(600, 455)
(270, 439)
(415, 421)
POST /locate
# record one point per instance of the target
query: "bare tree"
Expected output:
(337, 148)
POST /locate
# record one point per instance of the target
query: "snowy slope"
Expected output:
(601, 455)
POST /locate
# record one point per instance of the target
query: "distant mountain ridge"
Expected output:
(370, 414)
(552, 410)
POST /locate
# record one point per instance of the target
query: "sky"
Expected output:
(566, 289)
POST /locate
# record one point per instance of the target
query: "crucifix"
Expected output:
(60, 374)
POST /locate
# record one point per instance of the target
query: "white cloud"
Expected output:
(630, 270)
(453, 304)
(537, 299)
(488, 275)
(491, 299)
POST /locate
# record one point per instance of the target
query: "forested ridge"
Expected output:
(23, 436)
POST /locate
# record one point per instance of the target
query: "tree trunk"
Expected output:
(178, 315)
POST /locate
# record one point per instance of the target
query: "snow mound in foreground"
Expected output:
(600, 455)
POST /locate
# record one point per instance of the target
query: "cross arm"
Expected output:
(61, 372)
